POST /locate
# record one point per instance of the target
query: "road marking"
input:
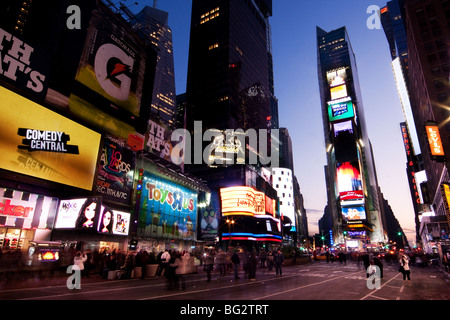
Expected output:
(380, 287)
(298, 288)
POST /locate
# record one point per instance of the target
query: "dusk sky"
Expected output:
(294, 51)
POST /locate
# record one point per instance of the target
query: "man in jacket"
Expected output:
(279, 260)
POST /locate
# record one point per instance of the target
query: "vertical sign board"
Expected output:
(445, 191)
(411, 165)
(434, 141)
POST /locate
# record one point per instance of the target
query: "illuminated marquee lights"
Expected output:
(245, 201)
(251, 237)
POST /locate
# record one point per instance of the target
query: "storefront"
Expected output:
(167, 202)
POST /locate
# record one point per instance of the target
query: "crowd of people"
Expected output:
(232, 261)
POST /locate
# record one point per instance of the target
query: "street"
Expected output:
(310, 281)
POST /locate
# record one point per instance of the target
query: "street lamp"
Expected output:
(230, 223)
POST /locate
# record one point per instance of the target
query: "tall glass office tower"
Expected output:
(230, 86)
(230, 76)
(350, 172)
(154, 24)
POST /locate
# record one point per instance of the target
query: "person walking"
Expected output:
(208, 265)
(279, 260)
(165, 259)
(79, 260)
(236, 262)
(405, 270)
(270, 260)
(251, 266)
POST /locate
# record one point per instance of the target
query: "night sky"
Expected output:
(294, 51)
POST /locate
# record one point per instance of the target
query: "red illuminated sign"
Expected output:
(9, 209)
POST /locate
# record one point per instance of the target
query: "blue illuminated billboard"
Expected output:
(169, 210)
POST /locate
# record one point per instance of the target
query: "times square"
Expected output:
(106, 168)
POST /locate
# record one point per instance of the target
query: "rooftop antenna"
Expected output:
(155, 3)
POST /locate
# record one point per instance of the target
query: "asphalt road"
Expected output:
(312, 281)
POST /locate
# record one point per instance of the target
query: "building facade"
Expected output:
(230, 87)
(350, 172)
(427, 27)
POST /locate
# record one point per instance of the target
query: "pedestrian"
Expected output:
(404, 269)
(79, 260)
(366, 262)
(165, 258)
(279, 260)
(221, 262)
(270, 260)
(379, 264)
(172, 265)
(263, 258)
(129, 265)
(327, 256)
(208, 265)
(251, 266)
(236, 261)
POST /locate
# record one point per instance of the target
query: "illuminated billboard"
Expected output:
(90, 214)
(242, 201)
(349, 183)
(341, 109)
(78, 213)
(338, 92)
(115, 171)
(167, 210)
(342, 127)
(354, 213)
(26, 210)
(38, 142)
(113, 221)
(434, 141)
(113, 62)
(337, 77)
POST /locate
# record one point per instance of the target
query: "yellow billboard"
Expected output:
(38, 142)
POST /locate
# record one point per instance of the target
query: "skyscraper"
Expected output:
(154, 24)
(393, 21)
(230, 86)
(428, 33)
(351, 177)
(230, 77)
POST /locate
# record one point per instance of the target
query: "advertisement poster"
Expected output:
(354, 213)
(349, 182)
(78, 213)
(115, 171)
(168, 210)
(113, 221)
(113, 63)
(209, 218)
(23, 65)
(38, 142)
(242, 201)
(158, 142)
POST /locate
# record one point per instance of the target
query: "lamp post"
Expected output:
(230, 223)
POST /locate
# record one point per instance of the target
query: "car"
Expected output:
(320, 256)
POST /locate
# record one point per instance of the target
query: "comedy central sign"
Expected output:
(50, 141)
(38, 142)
